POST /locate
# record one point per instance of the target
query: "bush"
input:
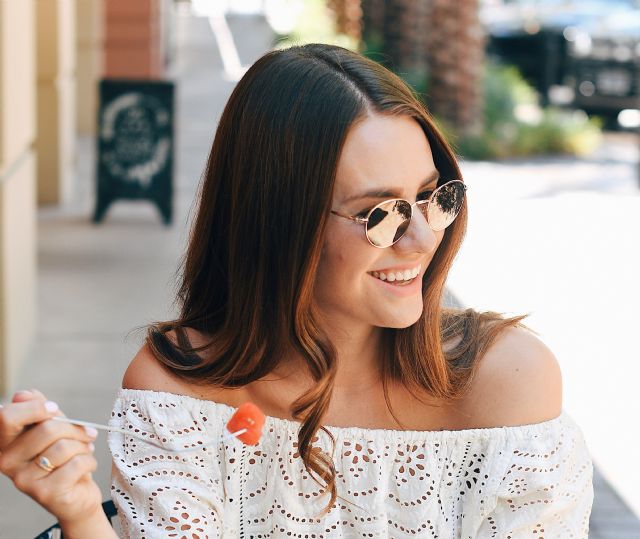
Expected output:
(514, 124)
(315, 25)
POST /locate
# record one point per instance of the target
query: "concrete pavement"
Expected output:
(556, 237)
(98, 283)
(542, 237)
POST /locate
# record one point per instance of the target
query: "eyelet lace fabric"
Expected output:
(531, 481)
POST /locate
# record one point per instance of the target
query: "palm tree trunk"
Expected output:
(403, 34)
(348, 17)
(455, 55)
(441, 37)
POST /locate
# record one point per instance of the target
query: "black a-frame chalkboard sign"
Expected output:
(135, 144)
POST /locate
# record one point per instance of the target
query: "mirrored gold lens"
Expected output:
(445, 205)
(388, 222)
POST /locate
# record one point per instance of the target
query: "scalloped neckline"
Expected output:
(364, 431)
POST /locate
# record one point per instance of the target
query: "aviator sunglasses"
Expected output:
(388, 221)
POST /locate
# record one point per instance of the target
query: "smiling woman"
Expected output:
(387, 414)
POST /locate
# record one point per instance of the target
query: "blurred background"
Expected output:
(540, 99)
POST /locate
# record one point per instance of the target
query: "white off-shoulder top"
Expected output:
(531, 481)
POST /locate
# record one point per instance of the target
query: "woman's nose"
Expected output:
(419, 237)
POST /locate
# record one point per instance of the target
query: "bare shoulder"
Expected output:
(518, 382)
(145, 371)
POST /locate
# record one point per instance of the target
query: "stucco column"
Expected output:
(56, 116)
(90, 62)
(17, 186)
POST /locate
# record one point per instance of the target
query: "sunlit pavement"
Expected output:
(542, 238)
(558, 237)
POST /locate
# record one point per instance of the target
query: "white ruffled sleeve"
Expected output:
(161, 493)
(544, 485)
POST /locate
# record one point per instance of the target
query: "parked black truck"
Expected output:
(580, 53)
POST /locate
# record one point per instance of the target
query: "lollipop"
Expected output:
(246, 423)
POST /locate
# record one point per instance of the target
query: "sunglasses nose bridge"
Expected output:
(416, 209)
(420, 228)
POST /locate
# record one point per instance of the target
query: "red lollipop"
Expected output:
(247, 416)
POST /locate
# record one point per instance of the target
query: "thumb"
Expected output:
(27, 395)
(22, 396)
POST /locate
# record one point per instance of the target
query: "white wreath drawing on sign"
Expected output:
(131, 124)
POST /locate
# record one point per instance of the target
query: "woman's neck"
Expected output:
(357, 366)
(357, 358)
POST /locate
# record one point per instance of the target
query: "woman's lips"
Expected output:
(403, 274)
(403, 288)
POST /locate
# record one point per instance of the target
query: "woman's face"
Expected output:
(389, 154)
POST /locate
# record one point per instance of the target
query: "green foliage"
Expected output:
(504, 88)
(418, 80)
(315, 25)
(513, 125)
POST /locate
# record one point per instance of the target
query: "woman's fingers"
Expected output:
(49, 460)
(60, 484)
(38, 439)
(49, 488)
(73, 470)
(62, 451)
(22, 395)
(28, 394)
(56, 456)
(38, 394)
(18, 415)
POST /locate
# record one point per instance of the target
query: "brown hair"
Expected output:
(248, 274)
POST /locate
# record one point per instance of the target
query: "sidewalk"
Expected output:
(97, 283)
(557, 237)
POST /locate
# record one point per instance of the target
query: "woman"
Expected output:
(330, 214)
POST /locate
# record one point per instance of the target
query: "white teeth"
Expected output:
(405, 275)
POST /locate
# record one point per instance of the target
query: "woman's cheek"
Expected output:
(338, 280)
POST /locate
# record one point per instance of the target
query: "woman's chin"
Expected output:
(404, 319)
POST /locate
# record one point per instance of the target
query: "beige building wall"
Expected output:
(50, 65)
(56, 102)
(90, 62)
(17, 186)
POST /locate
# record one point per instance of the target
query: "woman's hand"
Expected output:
(49, 460)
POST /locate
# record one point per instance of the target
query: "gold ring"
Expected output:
(45, 464)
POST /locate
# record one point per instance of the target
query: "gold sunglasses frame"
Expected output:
(365, 220)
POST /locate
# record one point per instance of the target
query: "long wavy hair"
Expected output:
(247, 277)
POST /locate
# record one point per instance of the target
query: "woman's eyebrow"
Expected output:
(389, 193)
